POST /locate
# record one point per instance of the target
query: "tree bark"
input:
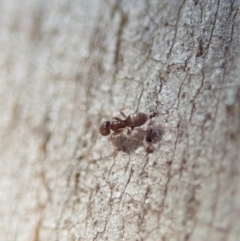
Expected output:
(66, 66)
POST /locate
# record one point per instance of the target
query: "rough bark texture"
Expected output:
(65, 66)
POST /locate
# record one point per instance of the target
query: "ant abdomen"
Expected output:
(136, 119)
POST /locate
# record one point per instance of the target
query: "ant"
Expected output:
(132, 121)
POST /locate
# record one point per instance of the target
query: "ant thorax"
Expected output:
(118, 125)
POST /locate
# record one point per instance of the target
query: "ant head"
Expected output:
(105, 128)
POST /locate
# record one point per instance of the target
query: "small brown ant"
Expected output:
(132, 121)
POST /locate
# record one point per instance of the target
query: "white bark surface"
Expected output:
(66, 66)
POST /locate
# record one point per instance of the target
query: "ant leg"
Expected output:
(116, 118)
(136, 140)
(122, 113)
(147, 146)
(124, 108)
(129, 130)
(115, 133)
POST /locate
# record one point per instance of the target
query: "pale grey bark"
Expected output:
(65, 66)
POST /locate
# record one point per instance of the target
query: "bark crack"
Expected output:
(176, 28)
